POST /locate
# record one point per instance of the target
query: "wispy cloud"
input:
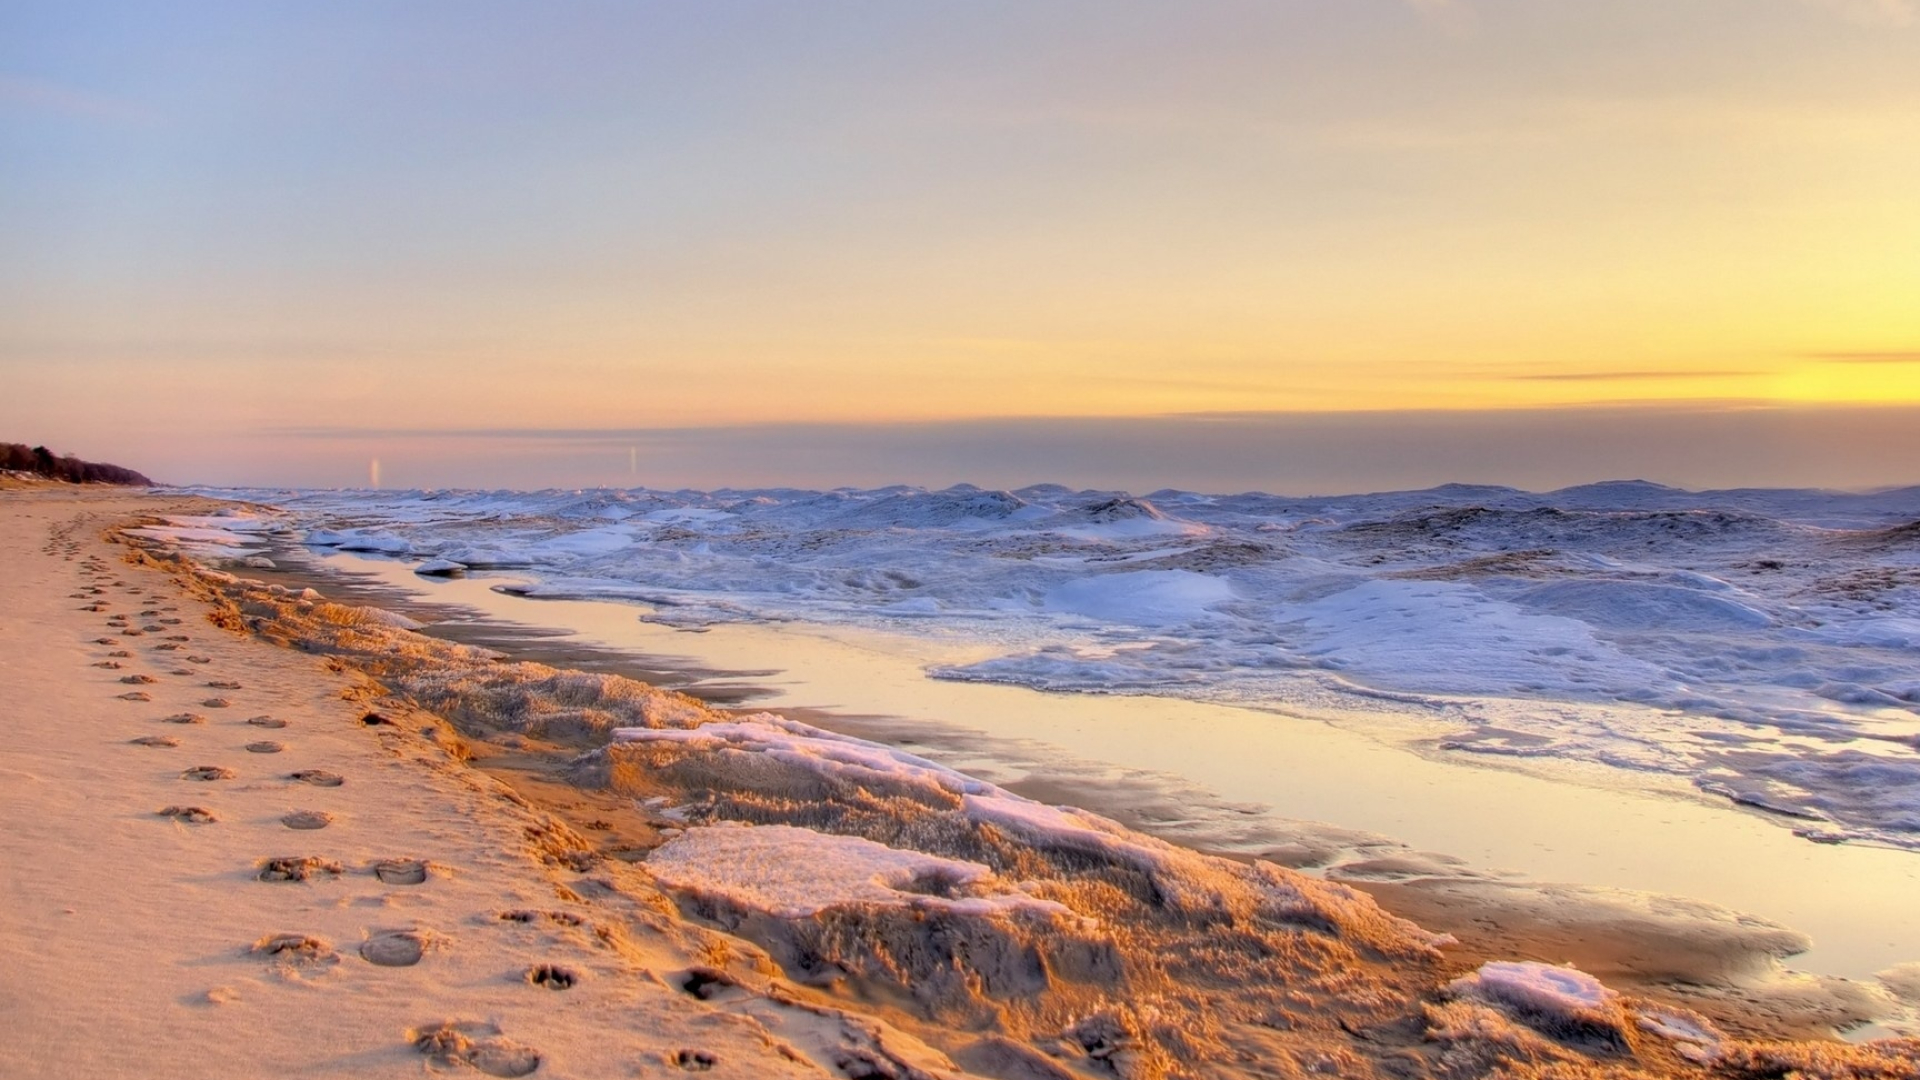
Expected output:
(1631, 376)
(1891, 356)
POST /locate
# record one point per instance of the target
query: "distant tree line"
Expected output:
(40, 461)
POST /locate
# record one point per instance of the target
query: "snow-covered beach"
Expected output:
(918, 840)
(1365, 796)
(1633, 661)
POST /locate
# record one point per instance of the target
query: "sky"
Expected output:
(1297, 245)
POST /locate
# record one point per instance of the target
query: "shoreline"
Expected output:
(756, 1018)
(1620, 939)
(215, 867)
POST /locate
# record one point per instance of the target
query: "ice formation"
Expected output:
(1536, 987)
(1764, 644)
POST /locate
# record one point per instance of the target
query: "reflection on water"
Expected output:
(1246, 767)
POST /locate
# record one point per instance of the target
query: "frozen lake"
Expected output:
(1238, 778)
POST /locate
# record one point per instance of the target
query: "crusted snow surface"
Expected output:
(1719, 636)
(793, 873)
(1536, 987)
(990, 911)
(792, 768)
(234, 534)
(858, 764)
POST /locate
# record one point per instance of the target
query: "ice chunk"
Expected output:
(1536, 988)
(381, 543)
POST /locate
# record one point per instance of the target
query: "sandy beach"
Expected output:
(255, 833)
(142, 940)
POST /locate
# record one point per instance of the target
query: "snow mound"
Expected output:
(793, 873)
(1121, 509)
(1560, 1002)
(934, 509)
(1537, 987)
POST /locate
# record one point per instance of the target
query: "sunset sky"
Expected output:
(266, 242)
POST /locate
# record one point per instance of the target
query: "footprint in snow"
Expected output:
(307, 819)
(266, 722)
(155, 740)
(186, 718)
(265, 746)
(224, 684)
(136, 695)
(208, 772)
(192, 815)
(215, 703)
(138, 680)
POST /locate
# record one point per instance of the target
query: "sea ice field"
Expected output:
(1760, 645)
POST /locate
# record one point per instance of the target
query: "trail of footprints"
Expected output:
(476, 1045)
